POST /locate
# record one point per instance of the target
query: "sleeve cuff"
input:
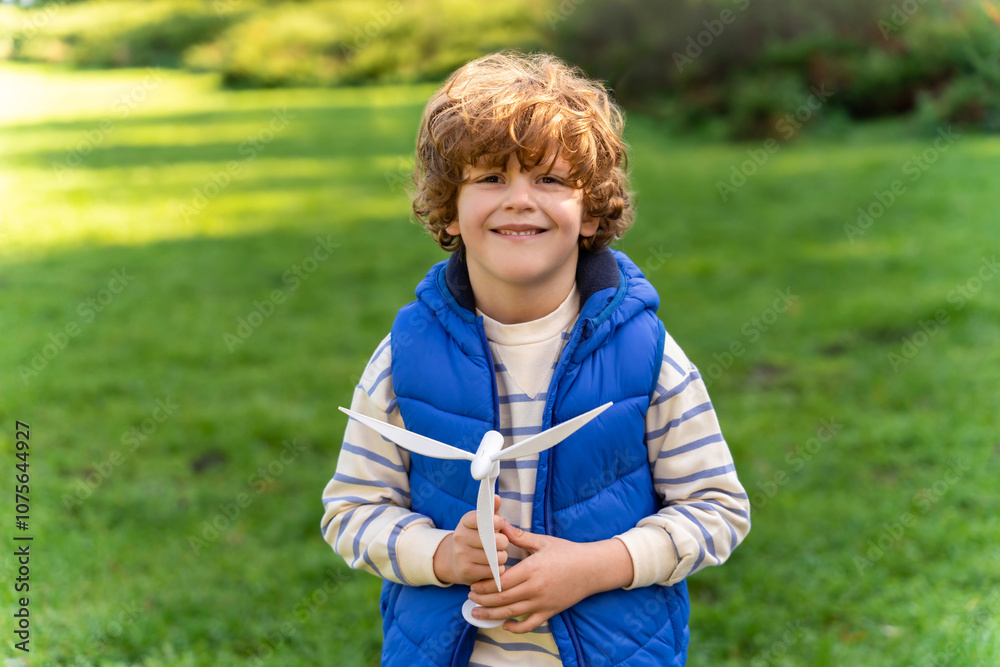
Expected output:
(415, 549)
(654, 557)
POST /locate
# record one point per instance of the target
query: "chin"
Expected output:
(518, 271)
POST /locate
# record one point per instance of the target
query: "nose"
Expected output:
(520, 198)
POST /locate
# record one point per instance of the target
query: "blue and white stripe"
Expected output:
(704, 515)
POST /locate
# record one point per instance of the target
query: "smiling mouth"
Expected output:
(511, 232)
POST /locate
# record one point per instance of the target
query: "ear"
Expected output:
(453, 228)
(589, 225)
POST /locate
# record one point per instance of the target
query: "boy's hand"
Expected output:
(461, 559)
(556, 575)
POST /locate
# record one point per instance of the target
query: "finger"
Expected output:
(485, 586)
(484, 592)
(469, 520)
(502, 542)
(474, 572)
(478, 557)
(467, 540)
(496, 503)
(527, 625)
(511, 578)
(522, 538)
(500, 613)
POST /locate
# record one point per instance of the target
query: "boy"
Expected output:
(532, 321)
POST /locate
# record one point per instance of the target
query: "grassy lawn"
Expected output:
(193, 280)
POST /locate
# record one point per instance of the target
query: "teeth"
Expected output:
(507, 232)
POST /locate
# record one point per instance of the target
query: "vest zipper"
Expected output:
(580, 331)
(469, 634)
(493, 373)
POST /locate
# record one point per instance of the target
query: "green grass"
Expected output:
(115, 578)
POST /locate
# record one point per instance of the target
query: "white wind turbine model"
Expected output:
(485, 467)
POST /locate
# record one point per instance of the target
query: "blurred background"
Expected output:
(205, 232)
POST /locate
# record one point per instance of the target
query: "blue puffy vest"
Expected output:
(592, 486)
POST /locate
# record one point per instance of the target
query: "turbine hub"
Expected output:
(482, 464)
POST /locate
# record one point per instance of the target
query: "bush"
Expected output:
(109, 33)
(353, 42)
(259, 43)
(745, 61)
(760, 101)
(970, 101)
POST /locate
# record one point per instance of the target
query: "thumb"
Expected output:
(522, 538)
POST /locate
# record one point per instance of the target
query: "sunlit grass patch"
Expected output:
(250, 299)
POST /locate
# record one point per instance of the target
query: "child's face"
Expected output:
(521, 227)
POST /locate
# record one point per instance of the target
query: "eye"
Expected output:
(489, 178)
(551, 180)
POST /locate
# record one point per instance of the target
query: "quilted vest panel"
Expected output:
(592, 486)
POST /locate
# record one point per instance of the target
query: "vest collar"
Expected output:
(595, 271)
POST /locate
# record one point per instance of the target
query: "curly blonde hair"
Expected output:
(511, 103)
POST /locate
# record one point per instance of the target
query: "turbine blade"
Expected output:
(546, 439)
(411, 441)
(484, 522)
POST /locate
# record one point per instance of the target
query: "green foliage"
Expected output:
(758, 102)
(749, 62)
(970, 101)
(109, 33)
(353, 42)
(121, 583)
(258, 43)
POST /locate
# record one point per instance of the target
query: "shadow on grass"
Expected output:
(281, 133)
(172, 383)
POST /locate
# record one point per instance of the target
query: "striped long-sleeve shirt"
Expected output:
(705, 510)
